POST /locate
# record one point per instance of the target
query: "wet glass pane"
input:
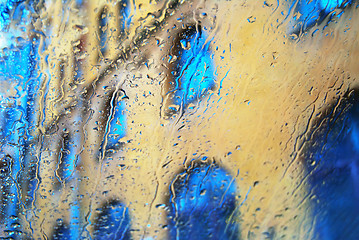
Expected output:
(170, 119)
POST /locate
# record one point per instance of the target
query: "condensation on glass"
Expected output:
(170, 119)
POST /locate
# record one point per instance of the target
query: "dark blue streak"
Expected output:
(333, 163)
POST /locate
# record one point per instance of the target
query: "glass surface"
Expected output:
(174, 119)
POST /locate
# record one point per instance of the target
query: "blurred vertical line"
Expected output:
(75, 215)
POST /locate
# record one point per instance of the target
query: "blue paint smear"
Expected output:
(334, 176)
(194, 70)
(113, 222)
(312, 12)
(203, 204)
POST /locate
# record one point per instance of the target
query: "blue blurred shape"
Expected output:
(61, 231)
(333, 166)
(311, 12)
(203, 204)
(125, 14)
(6, 9)
(18, 72)
(194, 69)
(113, 222)
(66, 166)
(117, 126)
(104, 18)
(103, 28)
